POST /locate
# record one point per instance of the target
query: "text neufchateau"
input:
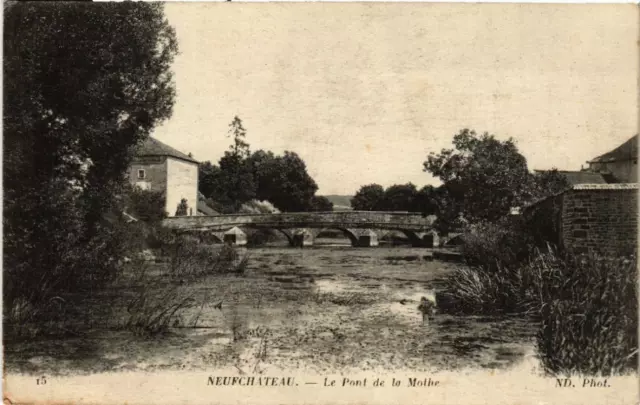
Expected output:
(249, 381)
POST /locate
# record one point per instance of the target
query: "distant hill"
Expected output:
(340, 202)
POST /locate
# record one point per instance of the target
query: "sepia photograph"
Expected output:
(320, 203)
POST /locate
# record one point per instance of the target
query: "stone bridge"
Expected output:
(363, 228)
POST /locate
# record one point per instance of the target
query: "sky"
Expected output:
(364, 92)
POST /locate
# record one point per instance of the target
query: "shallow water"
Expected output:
(325, 309)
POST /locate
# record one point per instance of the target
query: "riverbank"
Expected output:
(331, 309)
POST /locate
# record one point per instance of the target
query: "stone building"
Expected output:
(599, 218)
(619, 165)
(159, 167)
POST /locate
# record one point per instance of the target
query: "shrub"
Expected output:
(153, 311)
(145, 205)
(258, 207)
(473, 290)
(495, 245)
(159, 302)
(190, 258)
(589, 314)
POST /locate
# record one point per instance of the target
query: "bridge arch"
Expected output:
(287, 233)
(349, 233)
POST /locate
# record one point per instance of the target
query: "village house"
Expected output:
(161, 168)
(599, 212)
(619, 165)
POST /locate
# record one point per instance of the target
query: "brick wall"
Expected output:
(602, 219)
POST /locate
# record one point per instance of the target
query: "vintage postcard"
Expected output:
(320, 203)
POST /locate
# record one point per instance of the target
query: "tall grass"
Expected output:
(493, 279)
(589, 311)
(586, 305)
(159, 303)
(152, 312)
(189, 258)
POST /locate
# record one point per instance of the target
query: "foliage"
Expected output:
(548, 182)
(484, 178)
(398, 197)
(368, 198)
(239, 178)
(494, 279)
(427, 200)
(145, 205)
(211, 184)
(160, 301)
(190, 258)
(258, 207)
(589, 313)
(491, 245)
(321, 204)
(153, 311)
(239, 147)
(69, 128)
(587, 304)
(283, 180)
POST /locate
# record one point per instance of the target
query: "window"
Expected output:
(141, 174)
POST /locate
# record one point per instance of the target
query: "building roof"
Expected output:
(583, 177)
(205, 209)
(624, 152)
(618, 186)
(153, 147)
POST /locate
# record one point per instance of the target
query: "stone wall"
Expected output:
(600, 218)
(155, 173)
(182, 183)
(588, 217)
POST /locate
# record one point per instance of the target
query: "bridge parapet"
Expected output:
(333, 219)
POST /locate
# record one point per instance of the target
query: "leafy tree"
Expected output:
(426, 201)
(548, 182)
(69, 128)
(321, 203)
(243, 176)
(483, 177)
(283, 180)
(265, 168)
(368, 198)
(239, 147)
(210, 181)
(237, 179)
(400, 197)
(237, 182)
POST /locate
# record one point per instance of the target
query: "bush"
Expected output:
(153, 311)
(495, 245)
(159, 302)
(258, 207)
(473, 290)
(589, 310)
(190, 258)
(145, 205)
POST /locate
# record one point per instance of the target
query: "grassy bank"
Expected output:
(586, 305)
(146, 296)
